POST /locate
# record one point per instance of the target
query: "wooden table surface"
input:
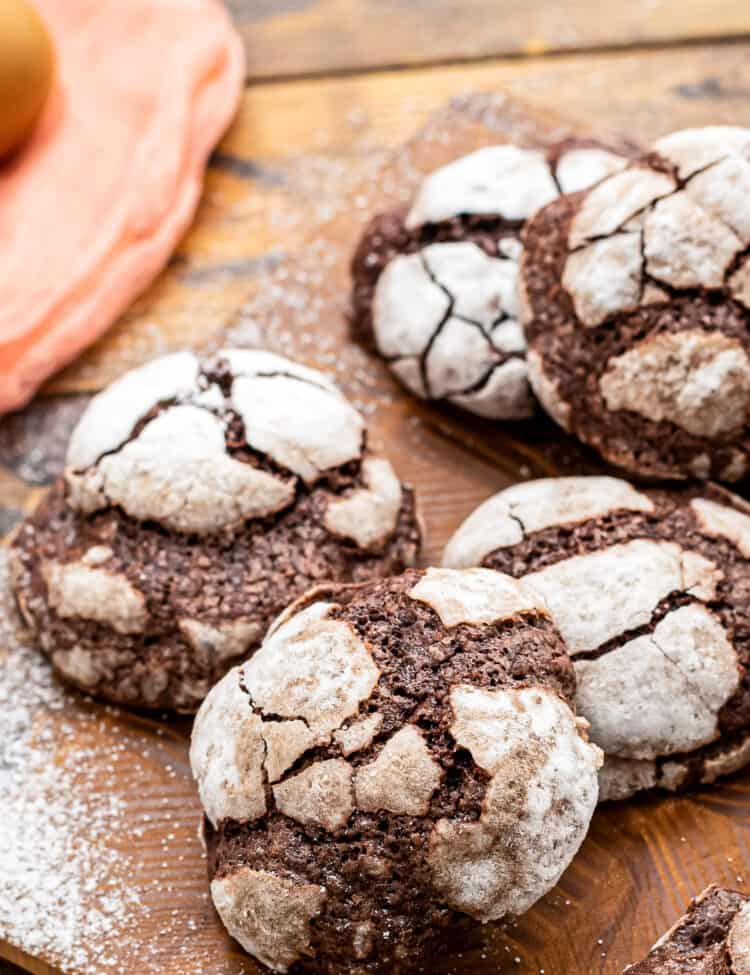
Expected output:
(334, 88)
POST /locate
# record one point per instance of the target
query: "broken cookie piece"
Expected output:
(649, 589)
(712, 938)
(399, 757)
(636, 306)
(435, 288)
(199, 499)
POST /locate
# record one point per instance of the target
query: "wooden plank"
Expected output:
(315, 37)
(129, 821)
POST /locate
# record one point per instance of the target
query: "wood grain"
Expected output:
(642, 860)
(289, 37)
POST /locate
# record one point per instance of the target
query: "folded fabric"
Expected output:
(93, 207)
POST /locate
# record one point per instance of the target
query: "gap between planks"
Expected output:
(292, 38)
(496, 58)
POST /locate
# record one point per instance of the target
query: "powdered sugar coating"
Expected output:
(407, 306)
(320, 795)
(483, 288)
(693, 150)
(285, 741)
(111, 416)
(177, 472)
(270, 916)
(722, 191)
(447, 317)
(260, 362)
(76, 589)
(699, 381)
(597, 596)
(685, 238)
(579, 168)
(369, 514)
(303, 427)
(227, 754)
(261, 457)
(685, 246)
(506, 394)
(473, 596)
(547, 390)
(719, 521)
(538, 802)
(313, 668)
(611, 203)
(620, 778)
(358, 735)
(409, 372)
(502, 180)
(402, 778)
(660, 693)
(460, 357)
(224, 642)
(605, 277)
(505, 518)
(174, 467)
(238, 742)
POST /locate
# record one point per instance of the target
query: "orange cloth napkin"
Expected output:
(92, 208)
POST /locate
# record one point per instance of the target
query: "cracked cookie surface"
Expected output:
(636, 306)
(649, 588)
(435, 287)
(199, 499)
(712, 938)
(399, 758)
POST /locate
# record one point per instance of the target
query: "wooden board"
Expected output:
(291, 37)
(112, 790)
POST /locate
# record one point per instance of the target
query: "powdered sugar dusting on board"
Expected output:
(47, 875)
(298, 307)
(98, 843)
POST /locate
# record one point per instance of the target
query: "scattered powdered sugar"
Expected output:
(62, 896)
(101, 867)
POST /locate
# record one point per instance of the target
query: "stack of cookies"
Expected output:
(387, 754)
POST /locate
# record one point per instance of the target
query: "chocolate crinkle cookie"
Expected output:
(398, 757)
(651, 592)
(435, 288)
(713, 938)
(636, 303)
(199, 498)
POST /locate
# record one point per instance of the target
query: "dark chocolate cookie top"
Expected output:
(636, 304)
(713, 938)
(435, 288)
(651, 592)
(395, 755)
(198, 500)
